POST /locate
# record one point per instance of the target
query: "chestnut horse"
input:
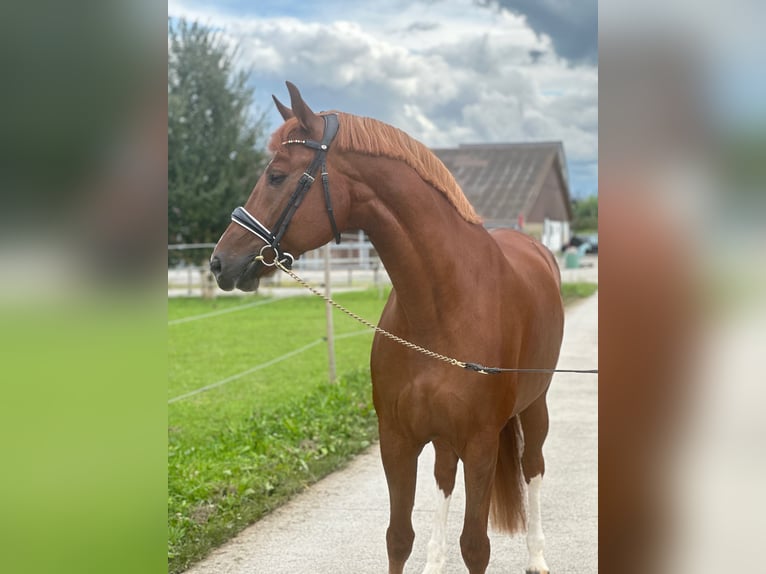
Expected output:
(459, 290)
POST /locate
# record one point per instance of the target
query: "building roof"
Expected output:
(503, 181)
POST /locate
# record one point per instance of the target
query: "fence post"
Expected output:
(328, 313)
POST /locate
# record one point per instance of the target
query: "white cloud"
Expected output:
(448, 73)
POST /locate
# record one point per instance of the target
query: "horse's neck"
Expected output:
(430, 252)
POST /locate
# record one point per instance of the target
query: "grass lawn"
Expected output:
(571, 292)
(263, 430)
(214, 348)
(240, 449)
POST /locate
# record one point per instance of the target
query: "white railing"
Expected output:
(353, 262)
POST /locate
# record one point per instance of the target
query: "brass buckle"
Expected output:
(287, 259)
(262, 258)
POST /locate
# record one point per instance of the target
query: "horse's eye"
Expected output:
(277, 178)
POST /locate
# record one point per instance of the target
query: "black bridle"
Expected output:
(242, 217)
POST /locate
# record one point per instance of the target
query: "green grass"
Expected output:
(211, 349)
(571, 292)
(247, 467)
(239, 450)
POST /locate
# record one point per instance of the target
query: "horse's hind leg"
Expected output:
(534, 424)
(445, 468)
(400, 463)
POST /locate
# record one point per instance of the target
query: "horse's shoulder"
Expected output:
(522, 250)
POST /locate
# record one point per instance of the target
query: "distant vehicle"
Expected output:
(586, 244)
(593, 241)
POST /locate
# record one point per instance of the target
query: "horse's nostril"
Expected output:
(215, 265)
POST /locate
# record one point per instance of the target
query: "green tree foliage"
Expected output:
(213, 138)
(585, 214)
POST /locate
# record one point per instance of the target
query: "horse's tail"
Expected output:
(508, 509)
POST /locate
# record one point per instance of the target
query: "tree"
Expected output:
(213, 138)
(585, 213)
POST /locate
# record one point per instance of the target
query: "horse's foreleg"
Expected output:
(534, 423)
(479, 464)
(400, 463)
(445, 468)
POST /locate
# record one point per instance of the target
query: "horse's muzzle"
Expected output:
(244, 275)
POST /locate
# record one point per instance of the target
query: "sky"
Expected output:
(447, 72)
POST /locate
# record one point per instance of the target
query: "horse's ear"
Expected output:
(311, 122)
(284, 111)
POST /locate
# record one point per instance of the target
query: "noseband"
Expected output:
(242, 217)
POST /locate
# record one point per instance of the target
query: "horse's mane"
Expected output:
(375, 138)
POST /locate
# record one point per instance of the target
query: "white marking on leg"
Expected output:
(535, 537)
(437, 546)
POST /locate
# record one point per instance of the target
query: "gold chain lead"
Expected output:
(482, 370)
(365, 322)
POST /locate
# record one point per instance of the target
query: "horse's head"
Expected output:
(294, 207)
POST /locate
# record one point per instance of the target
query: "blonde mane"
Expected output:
(372, 137)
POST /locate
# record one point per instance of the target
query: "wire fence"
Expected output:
(265, 365)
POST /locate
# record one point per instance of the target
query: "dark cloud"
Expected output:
(572, 25)
(422, 26)
(535, 55)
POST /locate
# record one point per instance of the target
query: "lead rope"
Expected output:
(481, 369)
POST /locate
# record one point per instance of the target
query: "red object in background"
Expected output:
(521, 221)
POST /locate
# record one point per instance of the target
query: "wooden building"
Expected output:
(522, 186)
(518, 185)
